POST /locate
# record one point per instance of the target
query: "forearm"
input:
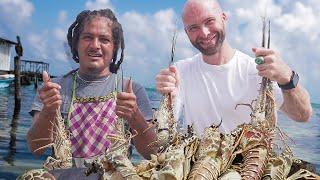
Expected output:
(41, 129)
(296, 104)
(146, 135)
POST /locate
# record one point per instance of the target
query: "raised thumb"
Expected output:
(173, 69)
(129, 86)
(45, 77)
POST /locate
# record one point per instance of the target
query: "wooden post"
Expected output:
(36, 80)
(17, 81)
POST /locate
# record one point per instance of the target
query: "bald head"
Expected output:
(191, 7)
(204, 22)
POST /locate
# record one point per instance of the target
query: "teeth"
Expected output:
(94, 54)
(207, 41)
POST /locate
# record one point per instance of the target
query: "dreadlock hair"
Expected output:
(77, 27)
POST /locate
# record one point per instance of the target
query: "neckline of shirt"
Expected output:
(90, 79)
(218, 67)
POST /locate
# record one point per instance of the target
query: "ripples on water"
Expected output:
(14, 154)
(15, 157)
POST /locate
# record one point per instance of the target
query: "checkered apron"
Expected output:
(91, 120)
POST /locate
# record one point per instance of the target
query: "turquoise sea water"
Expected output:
(15, 156)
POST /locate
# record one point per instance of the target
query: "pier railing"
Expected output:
(32, 71)
(33, 68)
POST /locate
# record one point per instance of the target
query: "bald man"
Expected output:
(208, 86)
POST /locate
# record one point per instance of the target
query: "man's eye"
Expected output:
(105, 40)
(192, 29)
(210, 21)
(86, 37)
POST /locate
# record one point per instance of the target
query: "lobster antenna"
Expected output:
(263, 31)
(173, 46)
(269, 35)
(121, 78)
(173, 43)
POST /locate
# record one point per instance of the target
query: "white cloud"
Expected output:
(60, 34)
(62, 17)
(99, 4)
(37, 44)
(148, 36)
(61, 55)
(303, 19)
(294, 33)
(315, 4)
(260, 9)
(148, 43)
(15, 13)
(165, 17)
(52, 49)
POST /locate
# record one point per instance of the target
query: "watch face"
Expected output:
(295, 79)
(293, 82)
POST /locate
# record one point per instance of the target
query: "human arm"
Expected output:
(297, 104)
(42, 127)
(127, 108)
(296, 101)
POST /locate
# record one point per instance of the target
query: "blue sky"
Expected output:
(149, 26)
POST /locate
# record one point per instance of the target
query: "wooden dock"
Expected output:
(25, 71)
(32, 71)
(29, 71)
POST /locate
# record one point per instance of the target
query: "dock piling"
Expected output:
(17, 81)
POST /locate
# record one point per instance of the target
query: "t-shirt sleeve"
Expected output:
(36, 105)
(143, 101)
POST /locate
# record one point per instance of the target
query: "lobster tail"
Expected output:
(254, 162)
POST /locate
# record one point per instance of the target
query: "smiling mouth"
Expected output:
(208, 40)
(94, 54)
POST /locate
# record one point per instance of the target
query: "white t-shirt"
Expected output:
(209, 93)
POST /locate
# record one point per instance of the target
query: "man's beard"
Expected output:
(210, 50)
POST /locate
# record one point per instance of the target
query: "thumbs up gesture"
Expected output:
(49, 94)
(126, 104)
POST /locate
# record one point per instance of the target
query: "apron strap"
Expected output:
(73, 95)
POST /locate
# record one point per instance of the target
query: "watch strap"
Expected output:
(294, 79)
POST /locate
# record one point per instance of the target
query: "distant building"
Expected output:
(5, 55)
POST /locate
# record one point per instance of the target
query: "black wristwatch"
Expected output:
(294, 79)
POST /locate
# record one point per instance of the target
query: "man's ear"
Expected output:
(224, 16)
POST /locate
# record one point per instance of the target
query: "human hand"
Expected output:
(167, 81)
(50, 94)
(126, 104)
(273, 67)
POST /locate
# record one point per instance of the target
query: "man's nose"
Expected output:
(95, 43)
(205, 31)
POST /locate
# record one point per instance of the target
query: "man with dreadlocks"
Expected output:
(85, 95)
